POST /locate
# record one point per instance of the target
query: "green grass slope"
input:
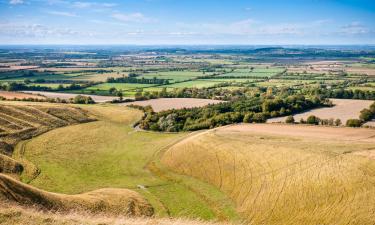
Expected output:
(110, 153)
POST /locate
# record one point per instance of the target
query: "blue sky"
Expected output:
(145, 22)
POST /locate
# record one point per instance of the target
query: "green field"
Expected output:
(110, 153)
(175, 75)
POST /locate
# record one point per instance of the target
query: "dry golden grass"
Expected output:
(19, 95)
(17, 215)
(276, 178)
(109, 201)
(19, 122)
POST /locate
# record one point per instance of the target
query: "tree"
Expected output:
(338, 122)
(80, 99)
(353, 123)
(120, 95)
(248, 118)
(289, 119)
(366, 115)
(312, 120)
(112, 90)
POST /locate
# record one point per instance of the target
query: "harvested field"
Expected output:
(343, 109)
(19, 95)
(162, 104)
(96, 98)
(17, 67)
(283, 174)
(306, 131)
(359, 70)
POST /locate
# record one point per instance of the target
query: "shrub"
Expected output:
(338, 122)
(313, 120)
(80, 99)
(366, 115)
(248, 118)
(353, 123)
(289, 119)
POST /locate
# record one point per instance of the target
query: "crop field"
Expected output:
(162, 104)
(109, 153)
(290, 176)
(343, 109)
(175, 75)
(256, 72)
(18, 95)
(96, 98)
(190, 84)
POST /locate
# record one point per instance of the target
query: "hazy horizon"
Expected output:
(168, 22)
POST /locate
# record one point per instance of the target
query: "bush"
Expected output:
(80, 99)
(313, 120)
(338, 122)
(248, 118)
(366, 115)
(353, 123)
(289, 119)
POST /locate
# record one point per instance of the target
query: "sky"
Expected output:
(188, 22)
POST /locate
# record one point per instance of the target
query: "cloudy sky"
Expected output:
(187, 22)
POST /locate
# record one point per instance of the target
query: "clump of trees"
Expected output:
(81, 99)
(342, 93)
(365, 115)
(135, 80)
(289, 119)
(18, 86)
(353, 123)
(249, 110)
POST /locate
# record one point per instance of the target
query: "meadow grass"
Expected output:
(110, 153)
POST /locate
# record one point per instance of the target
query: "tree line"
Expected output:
(135, 80)
(249, 110)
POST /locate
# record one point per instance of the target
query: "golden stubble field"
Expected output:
(280, 174)
(161, 104)
(343, 109)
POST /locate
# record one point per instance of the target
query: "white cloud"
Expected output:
(34, 30)
(248, 27)
(16, 2)
(132, 17)
(354, 28)
(82, 5)
(61, 13)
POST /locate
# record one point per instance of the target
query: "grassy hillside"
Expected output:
(281, 178)
(109, 153)
(109, 201)
(16, 215)
(20, 121)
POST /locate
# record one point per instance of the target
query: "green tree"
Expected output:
(353, 123)
(312, 120)
(289, 119)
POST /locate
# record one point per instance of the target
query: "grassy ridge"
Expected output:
(110, 153)
(276, 179)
